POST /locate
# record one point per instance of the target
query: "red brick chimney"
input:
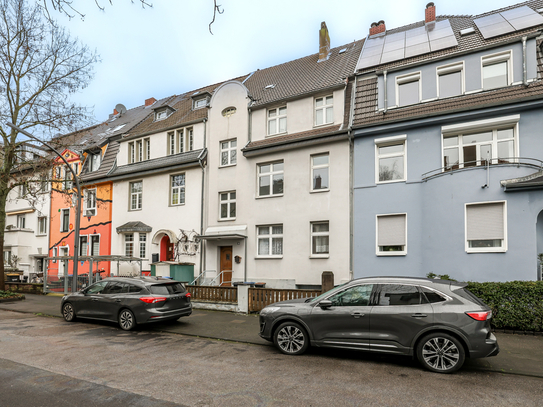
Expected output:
(430, 13)
(324, 43)
(377, 28)
(150, 101)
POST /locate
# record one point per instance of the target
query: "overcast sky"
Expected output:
(167, 49)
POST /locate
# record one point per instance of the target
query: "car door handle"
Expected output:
(118, 300)
(357, 314)
(94, 299)
(417, 315)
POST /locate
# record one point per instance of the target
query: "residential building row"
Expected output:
(414, 150)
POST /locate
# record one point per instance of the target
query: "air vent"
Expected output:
(270, 86)
(341, 51)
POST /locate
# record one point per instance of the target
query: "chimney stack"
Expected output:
(150, 101)
(115, 112)
(324, 43)
(377, 28)
(430, 13)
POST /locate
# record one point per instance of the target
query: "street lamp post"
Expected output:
(77, 205)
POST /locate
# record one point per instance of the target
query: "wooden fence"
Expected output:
(260, 297)
(213, 294)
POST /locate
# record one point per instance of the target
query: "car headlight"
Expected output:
(269, 310)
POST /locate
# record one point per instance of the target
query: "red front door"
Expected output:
(226, 266)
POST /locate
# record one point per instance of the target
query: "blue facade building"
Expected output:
(448, 147)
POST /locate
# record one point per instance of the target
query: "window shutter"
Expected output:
(485, 221)
(391, 230)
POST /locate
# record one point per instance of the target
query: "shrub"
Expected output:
(516, 305)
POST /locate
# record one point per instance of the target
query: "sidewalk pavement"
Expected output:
(519, 354)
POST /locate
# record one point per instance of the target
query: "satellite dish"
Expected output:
(120, 108)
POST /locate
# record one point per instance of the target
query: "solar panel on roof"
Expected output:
(508, 21)
(405, 44)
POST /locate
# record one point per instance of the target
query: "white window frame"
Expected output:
(142, 246)
(131, 152)
(62, 220)
(199, 103)
(89, 210)
(137, 195)
(270, 175)
(390, 141)
(55, 254)
(319, 167)
(378, 251)
(84, 238)
(180, 189)
(94, 162)
(492, 59)
(42, 230)
(494, 125)
(270, 236)
(21, 221)
(91, 245)
(408, 78)
(161, 114)
(128, 243)
(139, 150)
(180, 140)
(448, 69)
(228, 202)
(230, 150)
(501, 249)
(324, 108)
(276, 118)
(313, 234)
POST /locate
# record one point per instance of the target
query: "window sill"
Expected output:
(227, 165)
(269, 196)
(171, 205)
(135, 210)
(388, 254)
(319, 256)
(316, 126)
(486, 250)
(277, 134)
(268, 257)
(395, 181)
(226, 219)
(316, 191)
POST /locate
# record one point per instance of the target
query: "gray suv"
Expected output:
(437, 321)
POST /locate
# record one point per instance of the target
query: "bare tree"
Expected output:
(40, 66)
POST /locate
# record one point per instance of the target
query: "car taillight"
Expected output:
(480, 316)
(188, 295)
(152, 300)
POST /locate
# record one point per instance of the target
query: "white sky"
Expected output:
(167, 49)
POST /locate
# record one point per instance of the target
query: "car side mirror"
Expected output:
(325, 304)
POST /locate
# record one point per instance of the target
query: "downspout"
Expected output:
(200, 161)
(351, 179)
(524, 69)
(385, 90)
(249, 136)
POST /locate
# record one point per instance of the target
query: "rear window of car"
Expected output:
(468, 295)
(173, 288)
(429, 296)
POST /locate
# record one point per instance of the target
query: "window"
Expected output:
(199, 103)
(486, 227)
(139, 150)
(161, 115)
(83, 245)
(143, 241)
(228, 152)
(270, 179)
(324, 110)
(21, 221)
(55, 253)
(277, 121)
(95, 245)
(270, 241)
(58, 172)
(492, 141)
(358, 296)
(320, 172)
(129, 244)
(398, 294)
(450, 80)
(89, 207)
(136, 192)
(7, 257)
(229, 111)
(391, 162)
(320, 239)
(180, 141)
(408, 89)
(496, 70)
(227, 205)
(22, 191)
(94, 161)
(391, 235)
(68, 183)
(42, 225)
(177, 192)
(65, 220)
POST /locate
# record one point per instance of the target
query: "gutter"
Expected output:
(524, 69)
(351, 179)
(135, 136)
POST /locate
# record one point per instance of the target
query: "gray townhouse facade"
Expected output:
(448, 147)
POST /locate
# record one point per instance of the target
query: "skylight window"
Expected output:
(467, 31)
(270, 86)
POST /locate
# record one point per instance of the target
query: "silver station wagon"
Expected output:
(438, 322)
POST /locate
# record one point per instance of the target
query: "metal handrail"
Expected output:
(220, 274)
(201, 275)
(512, 161)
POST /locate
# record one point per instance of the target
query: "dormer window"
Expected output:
(163, 112)
(200, 100)
(94, 161)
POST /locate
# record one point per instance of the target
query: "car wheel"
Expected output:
(68, 312)
(127, 321)
(291, 339)
(441, 353)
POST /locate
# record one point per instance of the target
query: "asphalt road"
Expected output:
(48, 362)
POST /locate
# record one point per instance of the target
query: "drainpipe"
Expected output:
(200, 161)
(385, 90)
(351, 179)
(524, 69)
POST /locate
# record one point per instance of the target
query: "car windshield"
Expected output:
(164, 289)
(333, 290)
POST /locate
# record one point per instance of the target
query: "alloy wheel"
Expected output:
(126, 320)
(291, 339)
(440, 354)
(68, 312)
